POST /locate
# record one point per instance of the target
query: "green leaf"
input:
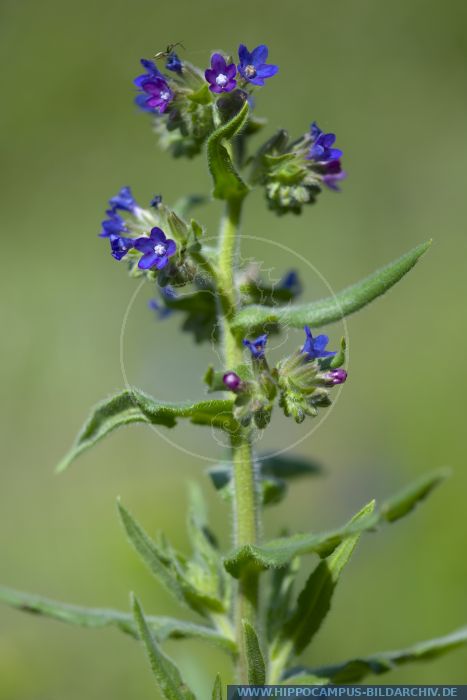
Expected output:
(162, 627)
(227, 182)
(304, 679)
(288, 466)
(279, 552)
(167, 567)
(314, 601)
(217, 690)
(255, 660)
(134, 406)
(165, 671)
(280, 595)
(356, 670)
(200, 314)
(205, 570)
(330, 309)
(405, 501)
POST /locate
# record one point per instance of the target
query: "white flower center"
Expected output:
(222, 80)
(159, 249)
(250, 71)
(165, 96)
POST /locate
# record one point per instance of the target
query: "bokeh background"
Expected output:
(389, 78)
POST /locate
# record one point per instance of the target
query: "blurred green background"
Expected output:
(389, 79)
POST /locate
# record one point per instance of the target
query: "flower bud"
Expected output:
(336, 376)
(232, 381)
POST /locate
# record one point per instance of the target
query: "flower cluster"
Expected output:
(294, 173)
(191, 100)
(302, 380)
(136, 237)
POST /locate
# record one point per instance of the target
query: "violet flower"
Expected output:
(257, 346)
(157, 97)
(315, 347)
(253, 67)
(156, 249)
(221, 77)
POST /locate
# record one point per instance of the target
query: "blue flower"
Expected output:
(120, 245)
(321, 146)
(113, 225)
(124, 200)
(152, 71)
(257, 346)
(173, 63)
(291, 282)
(157, 249)
(155, 201)
(253, 67)
(315, 347)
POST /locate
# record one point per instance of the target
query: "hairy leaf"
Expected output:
(255, 660)
(227, 182)
(330, 309)
(356, 670)
(279, 552)
(217, 690)
(405, 501)
(314, 601)
(136, 407)
(162, 627)
(165, 671)
(165, 566)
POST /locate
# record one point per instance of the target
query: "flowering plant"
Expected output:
(245, 597)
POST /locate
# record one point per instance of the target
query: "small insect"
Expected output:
(169, 49)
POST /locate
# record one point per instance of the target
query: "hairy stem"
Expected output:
(246, 504)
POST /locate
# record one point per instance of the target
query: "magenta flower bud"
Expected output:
(337, 376)
(232, 381)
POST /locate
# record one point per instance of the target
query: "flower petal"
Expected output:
(157, 235)
(144, 245)
(162, 262)
(259, 55)
(148, 261)
(243, 54)
(210, 75)
(267, 71)
(171, 247)
(218, 63)
(231, 71)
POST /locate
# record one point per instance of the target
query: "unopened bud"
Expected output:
(336, 376)
(232, 381)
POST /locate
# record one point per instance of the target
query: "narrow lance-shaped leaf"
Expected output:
(314, 601)
(165, 567)
(217, 690)
(405, 501)
(355, 670)
(134, 406)
(162, 627)
(282, 550)
(227, 182)
(334, 308)
(165, 671)
(255, 660)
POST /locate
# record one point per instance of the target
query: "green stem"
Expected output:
(246, 502)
